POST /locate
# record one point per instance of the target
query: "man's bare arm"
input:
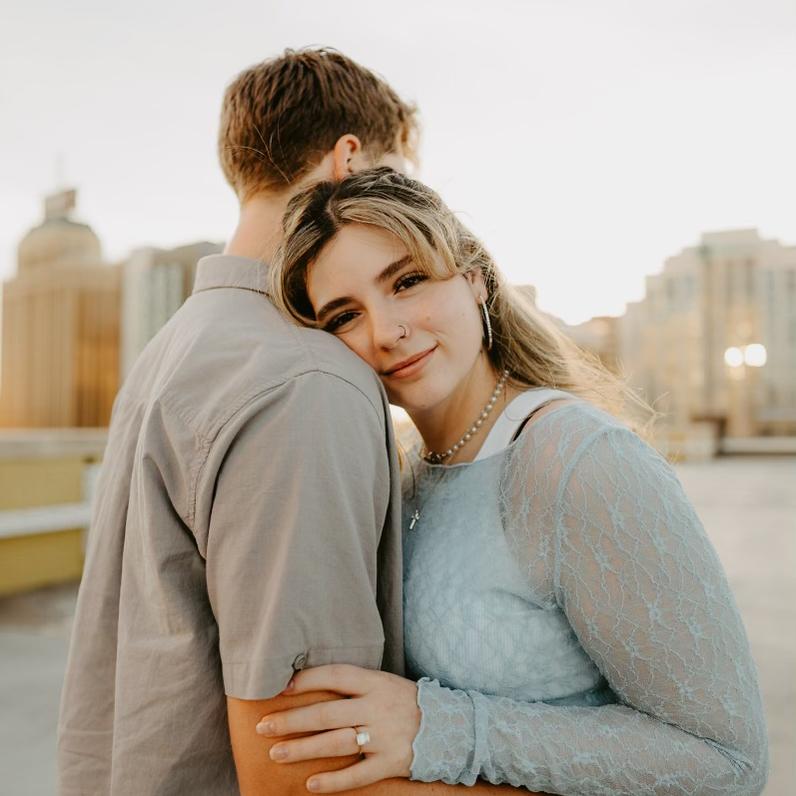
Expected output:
(258, 775)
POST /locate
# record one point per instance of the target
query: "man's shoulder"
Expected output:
(324, 353)
(225, 348)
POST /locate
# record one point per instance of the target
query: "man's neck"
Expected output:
(259, 229)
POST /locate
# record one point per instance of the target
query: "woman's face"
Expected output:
(365, 289)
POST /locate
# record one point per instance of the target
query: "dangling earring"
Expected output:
(487, 325)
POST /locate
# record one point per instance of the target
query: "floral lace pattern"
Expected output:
(571, 624)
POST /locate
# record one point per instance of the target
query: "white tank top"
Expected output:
(512, 417)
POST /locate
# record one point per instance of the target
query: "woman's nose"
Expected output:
(388, 333)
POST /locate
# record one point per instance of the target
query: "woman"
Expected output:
(569, 622)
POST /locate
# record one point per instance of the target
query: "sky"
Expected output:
(584, 141)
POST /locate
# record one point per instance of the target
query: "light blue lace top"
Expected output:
(572, 624)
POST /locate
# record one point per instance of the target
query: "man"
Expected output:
(247, 521)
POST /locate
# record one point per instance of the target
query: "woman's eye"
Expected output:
(339, 321)
(409, 280)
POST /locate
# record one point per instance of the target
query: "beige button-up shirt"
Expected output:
(247, 524)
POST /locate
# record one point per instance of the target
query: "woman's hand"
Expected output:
(381, 704)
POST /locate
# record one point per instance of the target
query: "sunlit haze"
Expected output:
(585, 142)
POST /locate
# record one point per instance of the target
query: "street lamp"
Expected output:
(755, 355)
(733, 357)
(738, 359)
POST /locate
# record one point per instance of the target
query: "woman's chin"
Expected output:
(393, 396)
(416, 396)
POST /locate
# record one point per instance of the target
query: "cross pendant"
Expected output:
(415, 518)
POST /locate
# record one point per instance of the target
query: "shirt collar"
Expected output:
(226, 270)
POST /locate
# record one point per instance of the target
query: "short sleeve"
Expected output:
(301, 498)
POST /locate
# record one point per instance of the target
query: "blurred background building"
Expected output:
(72, 324)
(60, 355)
(600, 335)
(714, 338)
(155, 284)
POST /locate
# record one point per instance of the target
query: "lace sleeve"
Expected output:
(646, 595)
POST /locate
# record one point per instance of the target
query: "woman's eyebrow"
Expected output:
(331, 306)
(388, 272)
(393, 268)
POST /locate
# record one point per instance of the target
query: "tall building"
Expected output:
(715, 336)
(600, 336)
(778, 331)
(60, 364)
(156, 283)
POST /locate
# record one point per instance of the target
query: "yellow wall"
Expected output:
(28, 562)
(29, 483)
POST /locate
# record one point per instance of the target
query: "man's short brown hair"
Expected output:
(280, 117)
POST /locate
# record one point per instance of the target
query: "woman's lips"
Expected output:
(412, 367)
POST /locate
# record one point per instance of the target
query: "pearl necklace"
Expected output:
(438, 458)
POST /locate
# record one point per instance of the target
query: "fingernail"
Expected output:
(289, 686)
(265, 727)
(278, 753)
(314, 784)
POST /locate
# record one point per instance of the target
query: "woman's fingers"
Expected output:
(359, 775)
(335, 743)
(341, 677)
(313, 718)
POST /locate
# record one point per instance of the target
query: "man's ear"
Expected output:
(347, 156)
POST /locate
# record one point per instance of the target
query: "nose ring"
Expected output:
(404, 331)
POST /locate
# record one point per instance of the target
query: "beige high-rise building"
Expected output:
(777, 411)
(60, 364)
(155, 284)
(715, 336)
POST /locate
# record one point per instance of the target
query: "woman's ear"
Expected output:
(477, 284)
(347, 156)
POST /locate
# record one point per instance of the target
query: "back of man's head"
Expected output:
(280, 118)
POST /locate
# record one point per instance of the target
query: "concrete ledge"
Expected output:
(52, 443)
(758, 445)
(44, 519)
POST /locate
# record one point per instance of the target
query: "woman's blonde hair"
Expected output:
(526, 343)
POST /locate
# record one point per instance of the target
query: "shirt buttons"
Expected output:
(300, 661)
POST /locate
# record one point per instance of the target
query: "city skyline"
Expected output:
(146, 250)
(73, 324)
(584, 145)
(143, 248)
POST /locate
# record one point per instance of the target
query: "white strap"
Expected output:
(512, 417)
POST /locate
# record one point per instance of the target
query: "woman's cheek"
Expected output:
(361, 346)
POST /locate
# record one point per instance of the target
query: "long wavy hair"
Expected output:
(534, 351)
